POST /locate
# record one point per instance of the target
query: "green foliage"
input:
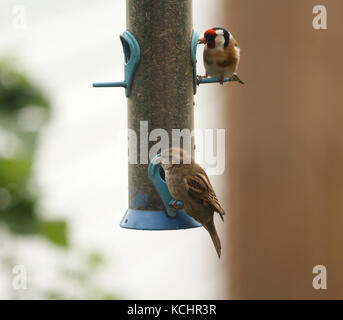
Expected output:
(23, 109)
(83, 278)
(15, 171)
(18, 206)
(16, 91)
(54, 231)
(94, 260)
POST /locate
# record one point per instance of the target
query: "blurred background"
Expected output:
(63, 158)
(63, 172)
(285, 135)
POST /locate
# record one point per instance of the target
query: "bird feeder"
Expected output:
(160, 80)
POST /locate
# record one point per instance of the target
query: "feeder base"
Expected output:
(157, 220)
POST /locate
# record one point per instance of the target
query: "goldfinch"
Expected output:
(221, 54)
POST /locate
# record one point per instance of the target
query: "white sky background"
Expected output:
(81, 164)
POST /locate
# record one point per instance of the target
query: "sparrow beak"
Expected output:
(202, 40)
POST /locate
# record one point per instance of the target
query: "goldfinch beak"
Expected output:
(202, 40)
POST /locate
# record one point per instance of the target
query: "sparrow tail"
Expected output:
(213, 233)
(222, 216)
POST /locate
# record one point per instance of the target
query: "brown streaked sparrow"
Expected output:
(189, 183)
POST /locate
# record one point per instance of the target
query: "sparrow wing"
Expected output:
(199, 188)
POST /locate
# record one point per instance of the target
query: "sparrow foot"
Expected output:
(177, 205)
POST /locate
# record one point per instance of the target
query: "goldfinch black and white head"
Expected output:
(217, 37)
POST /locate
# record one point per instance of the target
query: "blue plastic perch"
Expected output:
(170, 219)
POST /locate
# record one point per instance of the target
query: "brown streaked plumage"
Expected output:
(189, 183)
(228, 57)
(207, 60)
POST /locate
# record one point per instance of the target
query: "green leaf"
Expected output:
(16, 90)
(20, 217)
(54, 295)
(54, 231)
(95, 260)
(15, 171)
(108, 296)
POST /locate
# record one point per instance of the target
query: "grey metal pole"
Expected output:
(162, 90)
